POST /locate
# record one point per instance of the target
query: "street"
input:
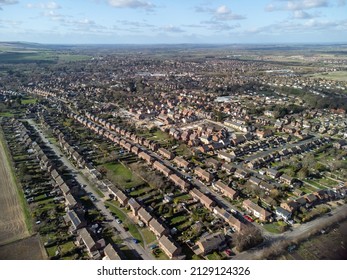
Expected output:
(99, 203)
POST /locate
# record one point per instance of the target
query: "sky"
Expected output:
(173, 21)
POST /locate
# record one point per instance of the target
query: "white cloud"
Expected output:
(172, 29)
(7, 2)
(302, 15)
(308, 26)
(45, 6)
(296, 5)
(341, 3)
(135, 4)
(221, 13)
(219, 26)
(224, 13)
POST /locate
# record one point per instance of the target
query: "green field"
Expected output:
(6, 114)
(122, 176)
(27, 101)
(334, 76)
(277, 227)
(148, 236)
(126, 220)
(15, 57)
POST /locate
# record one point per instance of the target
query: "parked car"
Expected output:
(228, 252)
(248, 218)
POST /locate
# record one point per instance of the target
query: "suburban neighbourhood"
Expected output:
(124, 156)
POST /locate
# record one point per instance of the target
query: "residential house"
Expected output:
(254, 181)
(202, 198)
(203, 174)
(86, 240)
(169, 247)
(226, 156)
(211, 162)
(182, 184)
(225, 190)
(209, 243)
(145, 156)
(241, 173)
(144, 216)
(273, 173)
(283, 213)
(157, 228)
(166, 154)
(256, 210)
(162, 168)
(76, 221)
(134, 206)
(228, 168)
(120, 197)
(110, 253)
(70, 202)
(181, 162)
(290, 206)
(286, 179)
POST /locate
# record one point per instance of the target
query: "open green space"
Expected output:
(182, 198)
(34, 56)
(214, 256)
(160, 136)
(133, 229)
(122, 176)
(148, 236)
(159, 254)
(6, 114)
(276, 227)
(334, 76)
(178, 219)
(315, 184)
(26, 101)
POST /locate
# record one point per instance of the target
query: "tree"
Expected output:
(249, 237)
(303, 173)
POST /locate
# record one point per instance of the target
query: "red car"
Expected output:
(228, 252)
(248, 218)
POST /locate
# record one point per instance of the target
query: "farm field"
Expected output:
(25, 249)
(12, 220)
(334, 76)
(327, 246)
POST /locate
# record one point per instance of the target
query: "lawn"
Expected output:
(334, 76)
(133, 229)
(183, 150)
(26, 101)
(73, 57)
(178, 220)
(277, 227)
(6, 114)
(160, 136)
(67, 246)
(314, 183)
(181, 198)
(214, 256)
(115, 210)
(122, 176)
(51, 250)
(127, 253)
(148, 235)
(327, 182)
(159, 254)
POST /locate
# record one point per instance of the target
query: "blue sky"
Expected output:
(173, 21)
